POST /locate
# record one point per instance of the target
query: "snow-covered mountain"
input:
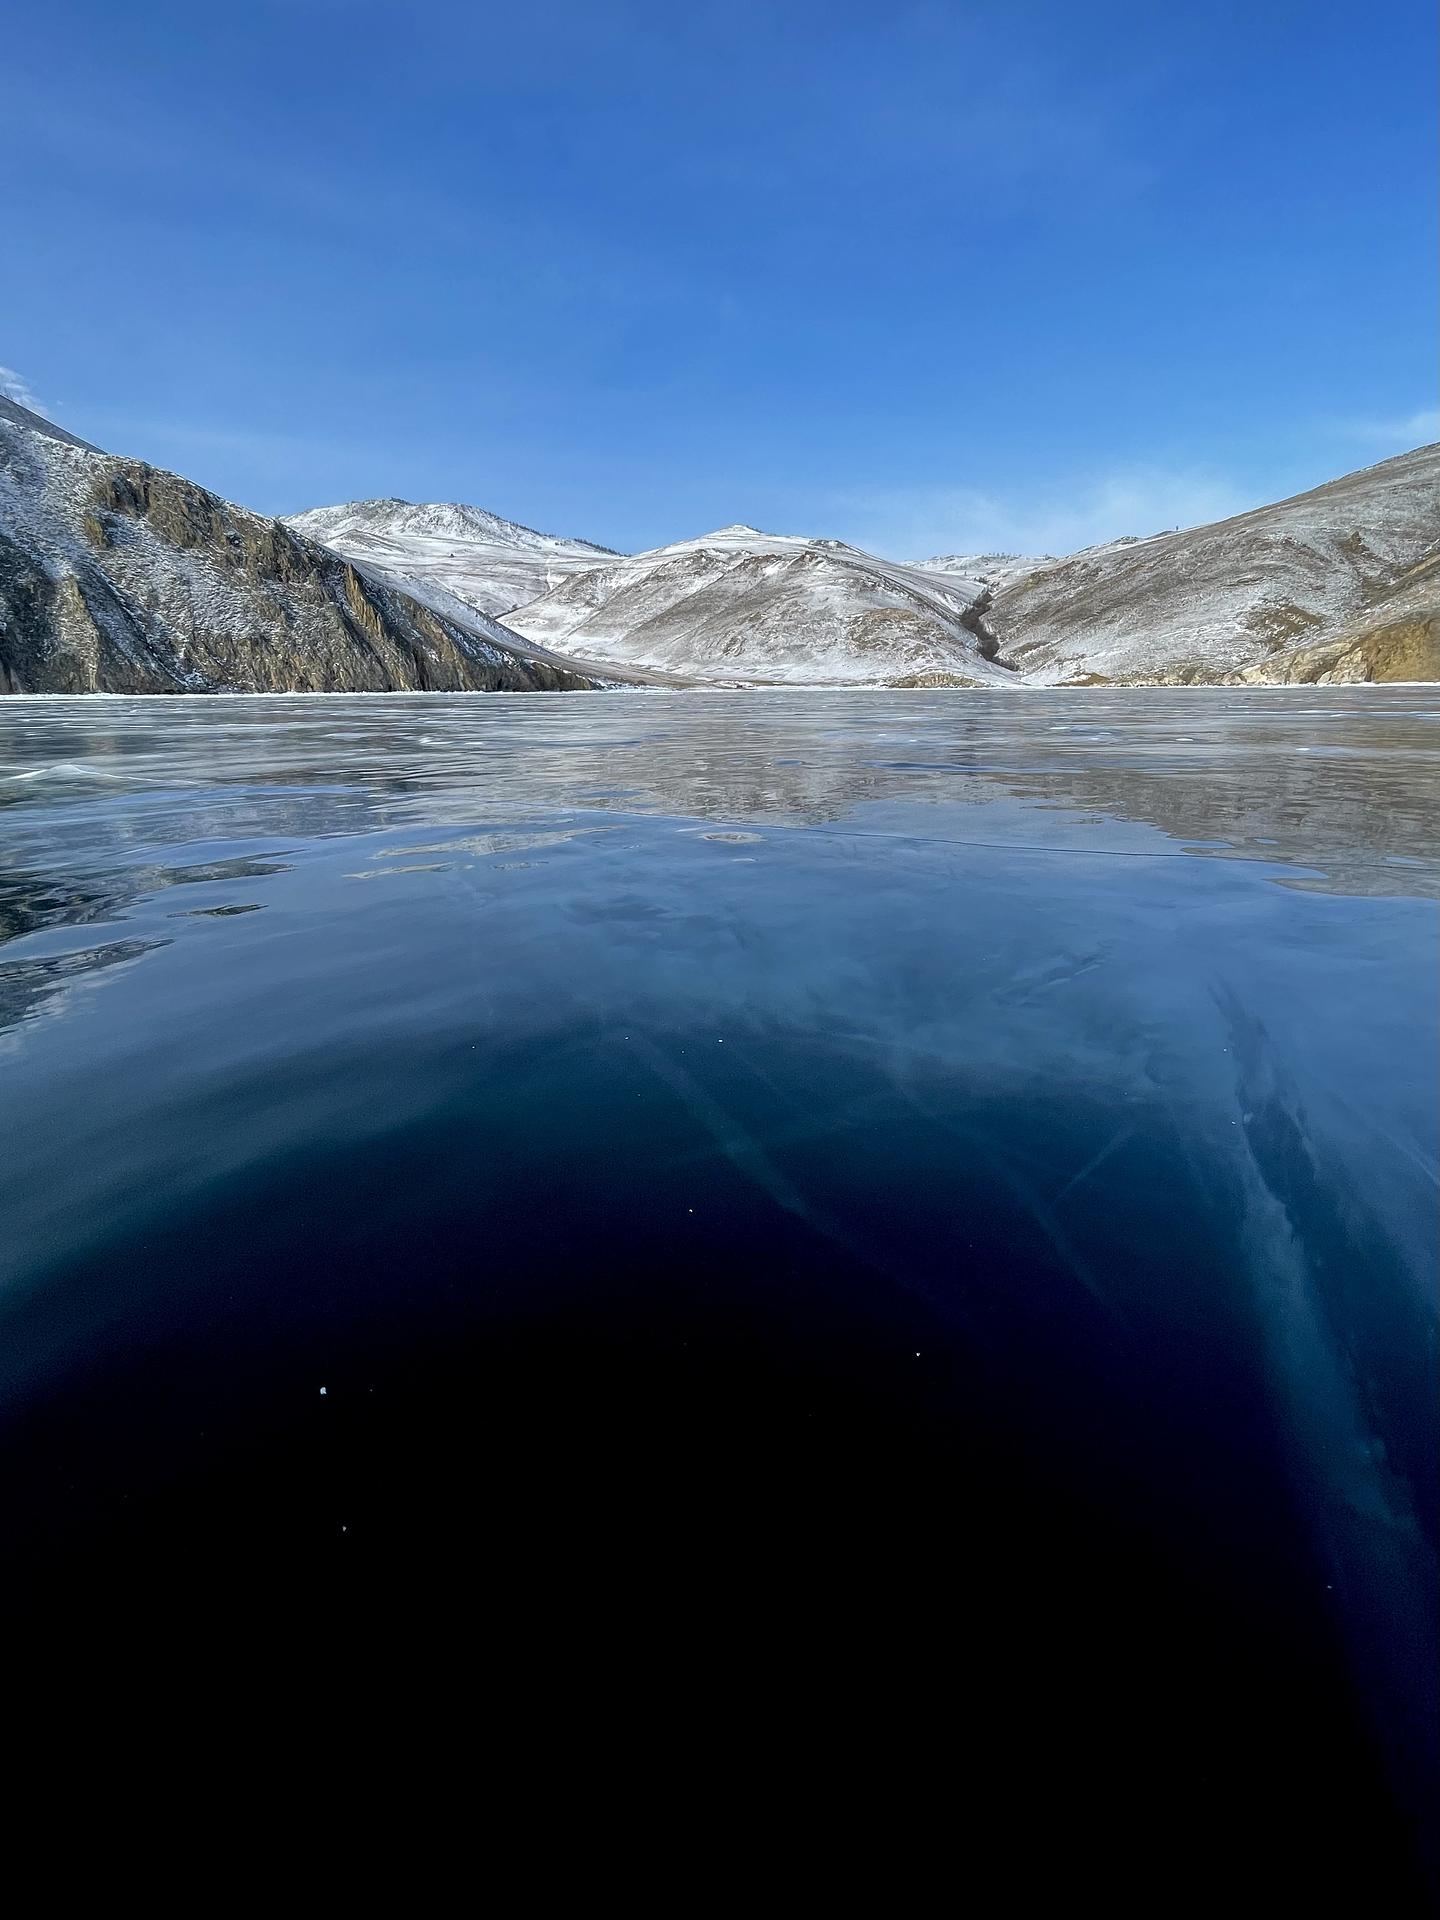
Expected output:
(117, 577)
(1250, 596)
(1208, 602)
(738, 605)
(448, 554)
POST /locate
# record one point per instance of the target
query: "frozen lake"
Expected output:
(927, 1182)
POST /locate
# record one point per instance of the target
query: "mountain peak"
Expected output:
(449, 551)
(394, 518)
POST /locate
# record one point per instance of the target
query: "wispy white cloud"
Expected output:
(913, 523)
(16, 387)
(1397, 434)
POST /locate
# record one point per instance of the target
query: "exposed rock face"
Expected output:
(1201, 605)
(117, 577)
(738, 606)
(1396, 639)
(450, 555)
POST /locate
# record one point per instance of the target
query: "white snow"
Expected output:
(741, 605)
(470, 557)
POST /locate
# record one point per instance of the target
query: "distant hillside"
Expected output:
(1211, 601)
(743, 606)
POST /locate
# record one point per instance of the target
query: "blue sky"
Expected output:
(926, 277)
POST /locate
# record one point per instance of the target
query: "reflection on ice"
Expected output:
(1205, 768)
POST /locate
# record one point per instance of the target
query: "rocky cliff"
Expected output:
(117, 577)
(1397, 637)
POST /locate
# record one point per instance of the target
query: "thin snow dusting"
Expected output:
(467, 557)
(741, 605)
(1198, 604)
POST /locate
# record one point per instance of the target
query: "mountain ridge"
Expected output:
(449, 553)
(115, 575)
(1180, 606)
(438, 518)
(120, 577)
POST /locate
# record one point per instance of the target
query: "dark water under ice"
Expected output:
(919, 1204)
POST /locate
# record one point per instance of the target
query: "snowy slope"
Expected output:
(738, 605)
(449, 554)
(119, 577)
(1209, 601)
(992, 570)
